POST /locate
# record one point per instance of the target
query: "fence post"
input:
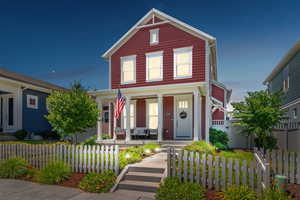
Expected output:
(169, 162)
(117, 159)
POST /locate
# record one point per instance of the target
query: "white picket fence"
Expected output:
(81, 158)
(215, 172)
(285, 163)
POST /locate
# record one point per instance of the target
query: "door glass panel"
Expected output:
(10, 111)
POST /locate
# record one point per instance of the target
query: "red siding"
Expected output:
(170, 37)
(141, 113)
(168, 116)
(203, 117)
(218, 93)
(218, 115)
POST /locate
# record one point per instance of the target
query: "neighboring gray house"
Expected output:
(23, 102)
(286, 77)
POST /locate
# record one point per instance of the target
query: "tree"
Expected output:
(258, 115)
(73, 111)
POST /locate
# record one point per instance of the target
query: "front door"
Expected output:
(183, 117)
(9, 112)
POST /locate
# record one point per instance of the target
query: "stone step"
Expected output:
(146, 170)
(138, 186)
(154, 179)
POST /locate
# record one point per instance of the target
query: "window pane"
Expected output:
(131, 122)
(128, 65)
(153, 37)
(154, 67)
(128, 70)
(154, 74)
(153, 122)
(153, 109)
(183, 63)
(183, 70)
(128, 76)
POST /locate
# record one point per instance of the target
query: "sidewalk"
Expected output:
(22, 190)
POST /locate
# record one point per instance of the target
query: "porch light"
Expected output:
(157, 149)
(147, 151)
(127, 155)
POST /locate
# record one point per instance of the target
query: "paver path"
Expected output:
(22, 190)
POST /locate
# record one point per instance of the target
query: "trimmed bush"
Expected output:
(54, 173)
(139, 150)
(275, 194)
(238, 193)
(201, 147)
(98, 183)
(173, 189)
(151, 147)
(13, 168)
(218, 138)
(21, 134)
(129, 158)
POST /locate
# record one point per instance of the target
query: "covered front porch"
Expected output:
(176, 115)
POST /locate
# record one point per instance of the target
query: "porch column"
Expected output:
(99, 123)
(160, 118)
(109, 118)
(127, 118)
(115, 123)
(197, 120)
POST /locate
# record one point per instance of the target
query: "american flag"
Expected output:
(120, 103)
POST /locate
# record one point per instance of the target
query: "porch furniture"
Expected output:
(140, 131)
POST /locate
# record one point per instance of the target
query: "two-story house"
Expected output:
(286, 76)
(167, 71)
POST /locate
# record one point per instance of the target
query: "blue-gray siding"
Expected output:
(34, 119)
(292, 69)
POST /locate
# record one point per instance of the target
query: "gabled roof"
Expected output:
(167, 19)
(289, 55)
(28, 80)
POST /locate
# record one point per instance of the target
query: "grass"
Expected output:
(240, 155)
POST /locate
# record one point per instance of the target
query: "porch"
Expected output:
(173, 116)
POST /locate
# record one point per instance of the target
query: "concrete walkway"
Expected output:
(22, 190)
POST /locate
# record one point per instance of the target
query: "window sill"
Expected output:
(182, 77)
(149, 81)
(127, 83)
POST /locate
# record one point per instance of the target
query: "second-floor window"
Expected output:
(154, 66)
(183, 62)
(128, 65)
(154, 36)
(286, 84)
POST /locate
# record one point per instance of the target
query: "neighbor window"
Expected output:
(154, 36)
(128, 69)
(152, 114)
(154, 65)
(286, 84)
(132, 116)
(295, 113)
(32, 101)
(183, 62)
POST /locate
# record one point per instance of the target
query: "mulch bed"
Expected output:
(73, 181)
(212, 195)
(294, 190)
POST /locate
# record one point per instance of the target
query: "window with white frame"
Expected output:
(132, 116)
(128, 64)
(183, 62)
(152, 114)
(295, 113)
(32, 101)
(154, 36)
(154, 66)
(286, 84)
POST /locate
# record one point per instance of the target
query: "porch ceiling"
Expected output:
(3, 92)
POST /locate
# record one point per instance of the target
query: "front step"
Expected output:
(138, 186)
(143, 179)
(146, 170)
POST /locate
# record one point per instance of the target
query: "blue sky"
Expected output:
(62, 40)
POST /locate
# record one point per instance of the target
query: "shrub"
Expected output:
(129, 158)
(218, 138)
(21, 134)
(54, 173)
(201, 147)
(172, 189)
(268, 142)
(151, 147)
(275, 194)
(238, 193)
(241, 155)
(13, 168)
(90, 141)
(138, 150)
(98, 183)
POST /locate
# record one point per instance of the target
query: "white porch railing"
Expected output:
(218, 122)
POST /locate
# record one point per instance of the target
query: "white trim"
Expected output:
(109, 73)
(154, 31)
(183, 50)
(153, 24)
(130, 58)
(208, 106)
(158, 53)
(159, 14)
(132, 102)
(36, 99)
